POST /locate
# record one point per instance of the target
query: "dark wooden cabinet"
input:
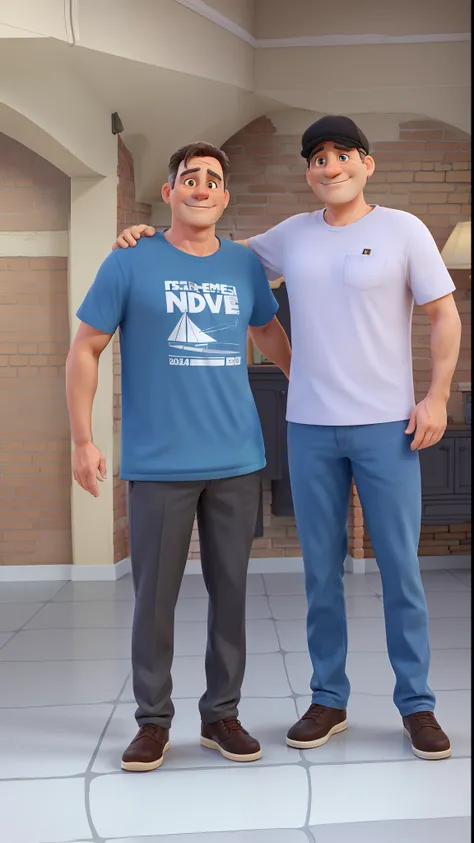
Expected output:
(445, 467)
(446, 478)
(437, 468)
(270, 387)
(462, 478)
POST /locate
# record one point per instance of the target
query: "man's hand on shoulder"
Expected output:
(130, 236)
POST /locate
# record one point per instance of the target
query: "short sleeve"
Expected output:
(265, 304)
(428, 277)
(104, 305)
(269, 247)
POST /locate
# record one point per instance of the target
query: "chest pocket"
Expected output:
(364, 272)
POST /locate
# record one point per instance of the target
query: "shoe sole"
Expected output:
(339, 727)
(427, 756)
(230, 755)
(144, 766)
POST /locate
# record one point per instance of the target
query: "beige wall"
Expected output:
(46, 105)
(47, 18)
(425, 79)
(165, 34)
(262, 18)
(241, 12)
(283, 19)
(93, 222)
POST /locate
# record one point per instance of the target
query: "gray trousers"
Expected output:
(161, 521)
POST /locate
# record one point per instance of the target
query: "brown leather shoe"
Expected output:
(428, 740)
(316, 727)
(231, 740)
(146, 751)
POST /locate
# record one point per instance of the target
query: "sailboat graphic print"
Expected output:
(186, 336)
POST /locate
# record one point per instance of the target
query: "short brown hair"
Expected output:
(193, 150)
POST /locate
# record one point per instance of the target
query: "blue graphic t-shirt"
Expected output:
(187, 408)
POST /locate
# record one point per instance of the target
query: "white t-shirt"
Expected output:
(351, 290)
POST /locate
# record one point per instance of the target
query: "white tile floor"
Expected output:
(67, 713)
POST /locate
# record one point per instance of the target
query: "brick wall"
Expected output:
(35, 474)
(436, 540)
(426, 172)
(129, 212)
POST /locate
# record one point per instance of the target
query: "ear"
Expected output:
(307, 176)
(166, 192)
(370, 165)
(227, 198)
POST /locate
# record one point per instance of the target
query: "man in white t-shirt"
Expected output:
(353, 272)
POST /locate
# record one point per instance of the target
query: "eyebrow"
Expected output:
(336, 146)
(198, 170)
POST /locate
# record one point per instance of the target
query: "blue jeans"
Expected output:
(322, 462)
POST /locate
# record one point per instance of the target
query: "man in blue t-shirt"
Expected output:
(183, 302)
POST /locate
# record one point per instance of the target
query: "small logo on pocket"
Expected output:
(366, 251)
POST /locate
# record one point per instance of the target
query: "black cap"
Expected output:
(336, 128)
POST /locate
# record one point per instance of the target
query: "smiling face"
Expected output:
(338, 175)
(198, 197)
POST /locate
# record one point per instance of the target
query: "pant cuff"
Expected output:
(155, 721)
(325, 699)
(413, 709)
(214, 717)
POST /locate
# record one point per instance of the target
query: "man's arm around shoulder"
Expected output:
(272, 341)
(130, 236)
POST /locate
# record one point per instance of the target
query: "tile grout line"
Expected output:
(89, 776)
(292, 695)
(303, 762)
(280, 650)
(213, 768)
(459, 579)
(43, 604)
(203, 623)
